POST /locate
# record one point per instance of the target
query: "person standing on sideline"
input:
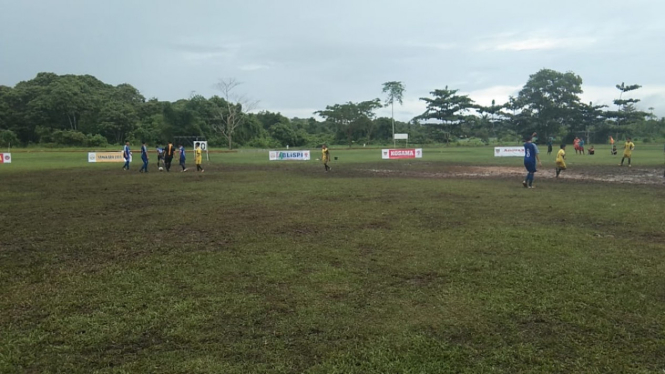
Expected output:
(550, 140)
(561, 160)
(325, 157)
(144, 157)
(530, 157)
(169, 152)
(126, 154)
(576, 144)
(627, 151)
(182, 157)
(582, 146)
(198, 157)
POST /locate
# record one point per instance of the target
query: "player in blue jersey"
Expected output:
(182, 158)
(126, 153)
(144, 158)
(531, 156)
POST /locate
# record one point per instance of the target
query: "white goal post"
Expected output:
(204, 147)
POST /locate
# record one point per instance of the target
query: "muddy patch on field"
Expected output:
(619, 175)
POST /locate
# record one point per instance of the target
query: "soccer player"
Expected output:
(627, 151)
(160, 156)
(169, 152)
(182, 157)
(198, 157)
(530, 157)
(144, 158)
(325, 157)
(561, 160)
(126, 153)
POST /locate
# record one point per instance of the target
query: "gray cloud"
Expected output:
(297, 56)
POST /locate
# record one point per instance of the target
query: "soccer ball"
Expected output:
(161, 168)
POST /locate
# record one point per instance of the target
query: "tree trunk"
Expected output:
(393, 119)
(230, 137)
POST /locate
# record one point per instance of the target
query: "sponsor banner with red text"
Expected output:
(5, 158)
(393, 154)
(509, 151)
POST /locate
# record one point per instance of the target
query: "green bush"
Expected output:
(69, 138)
(316, 140)
(8, 137)
(263, 142)
(97, 141)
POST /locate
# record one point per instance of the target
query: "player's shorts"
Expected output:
(530, 167)
(561, 165)
(627, 155)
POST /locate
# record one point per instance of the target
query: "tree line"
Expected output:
(80, 110)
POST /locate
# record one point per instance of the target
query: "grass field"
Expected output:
(377, 267)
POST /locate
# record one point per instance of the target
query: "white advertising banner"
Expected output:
(5, 158)
(509, 151)
(401, 136)
(289, 155)
(107, 157)
(391, 154)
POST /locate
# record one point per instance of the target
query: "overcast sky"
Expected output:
(297, 56)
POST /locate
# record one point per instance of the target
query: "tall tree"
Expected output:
(549, 101)
(449, 108)
(348, 117)
(592, 119)
(395, 91)
(491, 115)
(233, 112)
(366, 112)
(627, 114)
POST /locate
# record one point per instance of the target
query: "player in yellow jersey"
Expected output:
(198, 158)
(325, 157)
(627, 151)
(561, 160)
